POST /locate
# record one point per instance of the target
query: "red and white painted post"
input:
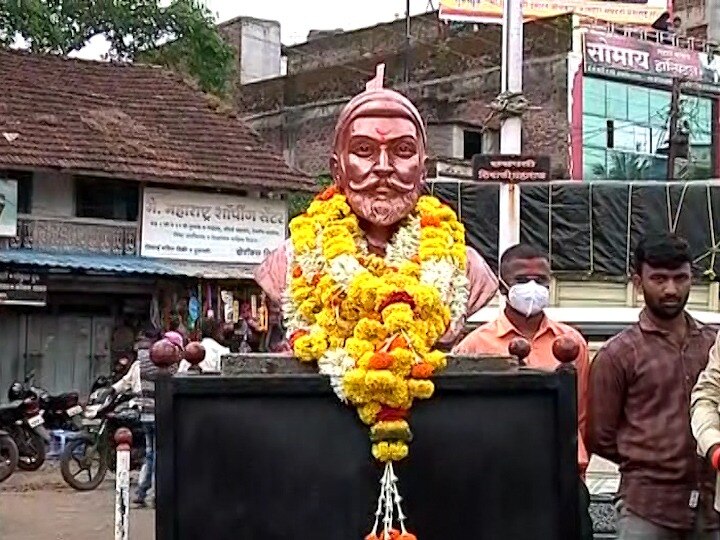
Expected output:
(123, 440)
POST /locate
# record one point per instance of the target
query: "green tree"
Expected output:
(181, 36)
(298, 202)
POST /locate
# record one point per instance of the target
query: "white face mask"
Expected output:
(528, 298)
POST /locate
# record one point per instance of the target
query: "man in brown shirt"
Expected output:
(640, 384)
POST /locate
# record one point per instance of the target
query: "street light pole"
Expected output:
(511, 127)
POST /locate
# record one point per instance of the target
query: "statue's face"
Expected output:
(381, 168)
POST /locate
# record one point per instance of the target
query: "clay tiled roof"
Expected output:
(128, 121)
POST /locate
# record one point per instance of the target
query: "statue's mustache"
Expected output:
(371, 181)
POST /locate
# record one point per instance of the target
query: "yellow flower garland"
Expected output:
(371, 322)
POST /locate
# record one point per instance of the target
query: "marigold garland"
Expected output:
(371, 322)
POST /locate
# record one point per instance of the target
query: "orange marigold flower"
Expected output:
(328, 194)
(422, 371)
(295, 335)
(315, 280)
(415, 259)
(429, 221)
(297, 272)
(380, 360)
(398, 342)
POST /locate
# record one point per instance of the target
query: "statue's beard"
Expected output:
(386, 211)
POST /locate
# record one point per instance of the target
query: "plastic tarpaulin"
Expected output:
(592, 228)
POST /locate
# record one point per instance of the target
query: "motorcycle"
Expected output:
(93, 450)
(9, 456)
(60, 412)
(22, 420)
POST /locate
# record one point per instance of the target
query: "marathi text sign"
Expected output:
(510, 168)
(8, 207)
(22, 289)
(210, 227)
(638, 12)
(628, 58)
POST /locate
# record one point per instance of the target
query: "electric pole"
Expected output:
(673, 130)
(408, 37)
(511, 127)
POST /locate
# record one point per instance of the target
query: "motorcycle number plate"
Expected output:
(147, 418)
(91, 421)
(72, 411)
(35, 421)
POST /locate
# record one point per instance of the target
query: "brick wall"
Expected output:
(452, 80)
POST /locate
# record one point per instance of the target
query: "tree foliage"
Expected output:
(181, 36)
(298, 202)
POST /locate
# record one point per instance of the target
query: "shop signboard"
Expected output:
(510, 168)
(8, 207)
(210, 227)
(18, 288)
(634, 12)
(627, 58)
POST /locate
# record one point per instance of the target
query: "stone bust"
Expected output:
(378, 163)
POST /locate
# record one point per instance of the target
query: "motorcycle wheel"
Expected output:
(83, 453)
(31, 447)
(9, 457)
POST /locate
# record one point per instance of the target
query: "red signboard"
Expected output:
(628, 58)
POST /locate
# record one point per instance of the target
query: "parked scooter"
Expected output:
(9, 456)
(22, 420)
(92, 452)
(62, 411)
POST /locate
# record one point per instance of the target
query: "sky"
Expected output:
(298, 18)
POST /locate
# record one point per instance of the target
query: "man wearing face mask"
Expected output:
(525, 281)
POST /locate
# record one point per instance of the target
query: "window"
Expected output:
(24, 188)
(480, 142)
(472, 144)
(625, 132)
(106, 199)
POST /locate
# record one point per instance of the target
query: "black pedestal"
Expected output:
(277, 457)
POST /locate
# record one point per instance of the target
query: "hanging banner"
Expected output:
(637, 12)
(627, 58)
(8, 207)
(210, 227)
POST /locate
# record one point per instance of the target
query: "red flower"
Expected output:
(295, 335)
(429, 221)
(422, 371)
(297, 272)
(388, 414)
(397, 297)
(398, 342)
(328, 194)
(380, 360)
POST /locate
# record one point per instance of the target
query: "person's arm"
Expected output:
(606, 402)
(705, 404)
(582, 366)
(128, 382)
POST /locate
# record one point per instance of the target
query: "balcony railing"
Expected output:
(75, 235)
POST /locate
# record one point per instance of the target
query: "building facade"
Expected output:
(128, 198)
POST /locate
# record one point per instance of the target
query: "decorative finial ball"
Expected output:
(164, 354)
(123, 436)
(194, 353)
(520, 348)
(565, 349)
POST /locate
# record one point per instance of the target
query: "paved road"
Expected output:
(39, 506)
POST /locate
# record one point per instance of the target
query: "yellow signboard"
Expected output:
(637, 12)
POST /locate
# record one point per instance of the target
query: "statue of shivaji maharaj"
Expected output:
(374, 277)
(378, 164)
